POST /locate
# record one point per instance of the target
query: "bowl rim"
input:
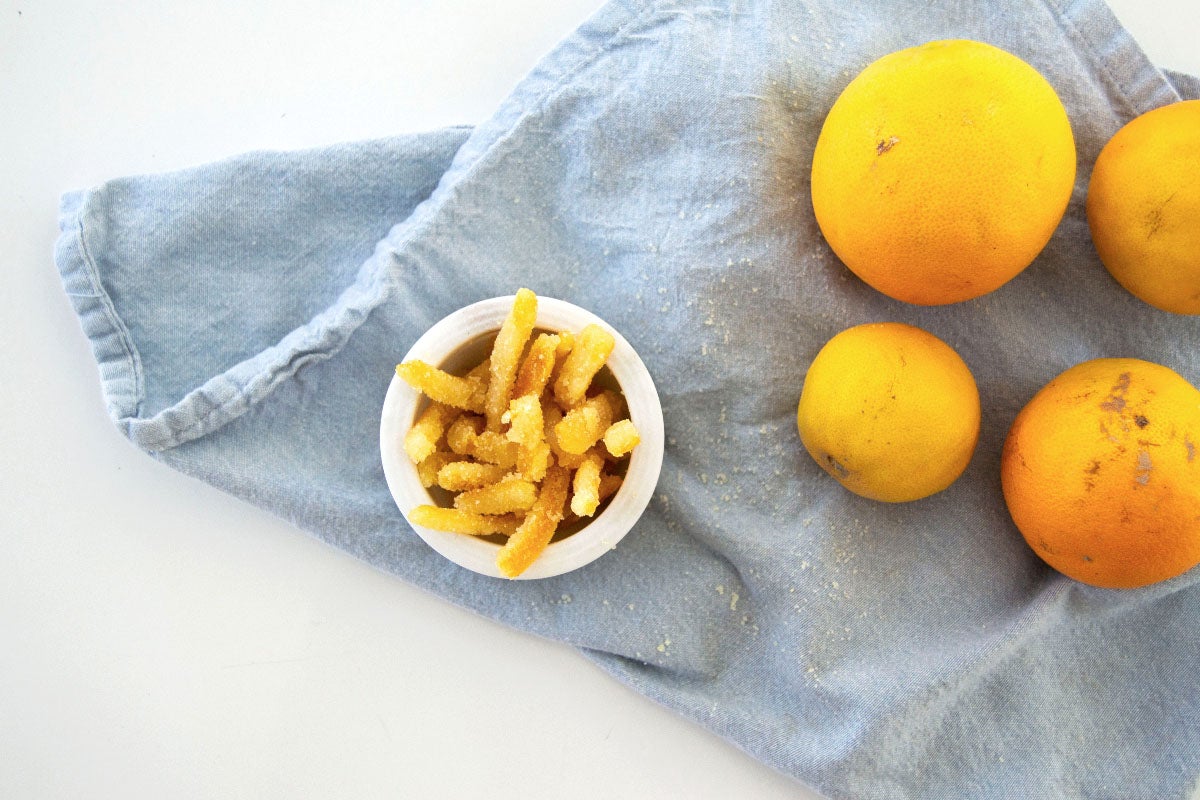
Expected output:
(623, 509)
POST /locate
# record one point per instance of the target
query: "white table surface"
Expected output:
(161, 639)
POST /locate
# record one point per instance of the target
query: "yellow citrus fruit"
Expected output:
(1143, 207)
(1101, 473)
(890, 411)
(942, 171)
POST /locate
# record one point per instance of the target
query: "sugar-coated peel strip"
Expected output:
(524, 418)
(442, 387)
(535, 533)
(532, 463)
(467, 437)
(585, 486)
(429, 468)
(553, 415)
(609, 484)
(527, 430)
(460, 476)
(583, 425)
(422, 438)
(566, 342)
(462, 433)
(507, 495)
(494, 448)
(590, 353)
(621, 437)
(538, 365)
(506, 355)
(454, 520)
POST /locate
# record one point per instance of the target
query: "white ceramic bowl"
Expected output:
(624, 509)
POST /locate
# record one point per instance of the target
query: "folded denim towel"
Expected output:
(246, 317)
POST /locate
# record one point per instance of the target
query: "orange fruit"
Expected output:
(890, 411)
(1101, 473)
(1143, 207)
(941, 171)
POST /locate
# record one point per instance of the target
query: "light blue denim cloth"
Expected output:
(654, 168)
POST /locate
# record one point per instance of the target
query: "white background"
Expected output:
(161, 639)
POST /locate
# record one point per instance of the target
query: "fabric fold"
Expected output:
(210, 269)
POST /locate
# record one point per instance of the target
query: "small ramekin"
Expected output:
(623, 510)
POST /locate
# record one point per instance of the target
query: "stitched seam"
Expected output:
(110, 311)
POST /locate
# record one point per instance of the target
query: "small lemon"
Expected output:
(890, 411)
(1143, 207)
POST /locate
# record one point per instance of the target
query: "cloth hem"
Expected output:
(112, 346)
(223, 397)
